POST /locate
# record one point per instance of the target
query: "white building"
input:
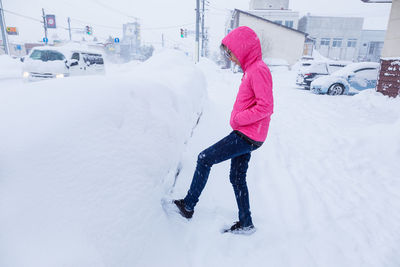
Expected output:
(269, 4)
(276, 11)
(277, 41)
(371, 45)
(334, 37)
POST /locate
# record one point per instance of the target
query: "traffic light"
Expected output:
(88, 30)
(182, 33)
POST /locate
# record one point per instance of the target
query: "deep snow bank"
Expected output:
(10, 68)
(84, 159)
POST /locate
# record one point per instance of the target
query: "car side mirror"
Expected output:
(73, 62)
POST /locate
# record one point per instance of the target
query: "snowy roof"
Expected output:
(270, 21)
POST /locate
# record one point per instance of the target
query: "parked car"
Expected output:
(54, 62)
(351, 79)
(311, 70)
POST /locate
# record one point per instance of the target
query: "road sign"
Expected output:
(12, 30)
(18, 47)
(45, 40)
(116, 40)
(51, 21)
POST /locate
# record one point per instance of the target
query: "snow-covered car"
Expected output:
(351, 79)
(54, 62)
(312, 70)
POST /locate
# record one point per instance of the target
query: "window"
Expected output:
(54, 55)
(371, 48)
(337, 42)
(38, 55)
(351, 42)
(44, 55)
(325, 41)
(93, 59)
(278, 21)
(289, 23)
(75, 56)
(366, 74)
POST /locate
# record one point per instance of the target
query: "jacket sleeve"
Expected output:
(261, 83)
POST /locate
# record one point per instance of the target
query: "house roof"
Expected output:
(267, 20)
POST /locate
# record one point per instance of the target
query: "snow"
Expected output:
(317, 56)
(349, 69)
(277, 64)
(68, 48)
(10, 68)
(86, 161)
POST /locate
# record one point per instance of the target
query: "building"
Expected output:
(276, 11)
(269, 4)
(389, 76)
(277, 41)
(334, 37)
(371, 45)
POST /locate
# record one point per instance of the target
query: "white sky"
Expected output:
(157, 14)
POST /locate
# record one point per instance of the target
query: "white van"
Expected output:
(55, 62)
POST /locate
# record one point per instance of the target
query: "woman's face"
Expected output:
(228, 53)
(234, 59)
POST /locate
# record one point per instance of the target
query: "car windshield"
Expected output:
(46, 55)
(38, 55)
(54, 55)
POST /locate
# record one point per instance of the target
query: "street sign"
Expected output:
(51, 21)
(116, 40)
(45, 40)
(129, 30)
(12, 30)
(18, 47)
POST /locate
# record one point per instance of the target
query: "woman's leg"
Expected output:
(229, 147)
(237, 177)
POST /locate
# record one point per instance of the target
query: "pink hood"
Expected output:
(254, 102)
(245, 45)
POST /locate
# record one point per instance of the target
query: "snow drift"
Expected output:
(80, 156)
(10, 68)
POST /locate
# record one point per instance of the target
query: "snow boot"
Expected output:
(182, 210)
(236, 228)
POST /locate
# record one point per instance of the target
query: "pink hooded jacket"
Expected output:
(254, 102)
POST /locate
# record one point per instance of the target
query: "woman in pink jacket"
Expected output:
(250, 119)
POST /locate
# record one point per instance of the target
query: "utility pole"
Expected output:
(202, 30)
(69, 28)
(44, 25)
(196, 55)
(162, 40)
(3, 30)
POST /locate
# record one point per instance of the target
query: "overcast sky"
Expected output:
(159, 16)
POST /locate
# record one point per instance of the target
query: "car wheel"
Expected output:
(336, 89)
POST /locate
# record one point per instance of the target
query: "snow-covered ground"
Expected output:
(10, 68)
(85, 162)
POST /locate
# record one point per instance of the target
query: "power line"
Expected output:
(218, 8)
(95, 24)
(29, 18)
(168, 27)
(113, 9)
(23, 16)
